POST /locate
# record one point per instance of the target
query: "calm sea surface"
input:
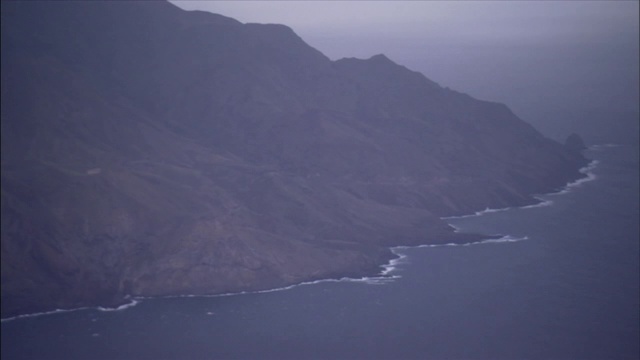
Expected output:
(568, 291)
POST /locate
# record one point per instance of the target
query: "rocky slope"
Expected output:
(149, 151)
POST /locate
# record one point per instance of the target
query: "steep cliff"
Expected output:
(148, 151)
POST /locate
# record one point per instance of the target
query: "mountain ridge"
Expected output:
(191, 154)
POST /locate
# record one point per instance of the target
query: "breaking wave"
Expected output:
(504, 239)
(132, 303)
(477, 213)
(542, 203)
(51, 312)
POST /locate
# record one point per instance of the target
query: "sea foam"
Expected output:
(132, 303)
(56, 311)
(504, 239)
(542, 203)
(477, 213)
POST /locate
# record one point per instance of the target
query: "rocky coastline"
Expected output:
(192, 154)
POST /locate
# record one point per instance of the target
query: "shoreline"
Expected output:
(382, 276)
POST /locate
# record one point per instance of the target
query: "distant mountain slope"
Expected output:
(148, 151)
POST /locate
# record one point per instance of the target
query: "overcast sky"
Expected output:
(434, 22)
(528, 54)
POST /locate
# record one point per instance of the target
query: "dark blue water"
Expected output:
(569, 291)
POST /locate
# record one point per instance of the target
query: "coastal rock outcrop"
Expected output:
(575, 143)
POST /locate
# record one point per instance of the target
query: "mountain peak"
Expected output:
(205, 17)
(380, 58)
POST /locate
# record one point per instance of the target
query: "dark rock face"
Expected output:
(151, 151)
(575, 143)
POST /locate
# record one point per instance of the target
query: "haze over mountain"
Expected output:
(150, 151)
(563, 66)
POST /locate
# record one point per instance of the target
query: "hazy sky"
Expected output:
(529, 54)
(331, 25)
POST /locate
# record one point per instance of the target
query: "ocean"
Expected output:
(562, 283)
